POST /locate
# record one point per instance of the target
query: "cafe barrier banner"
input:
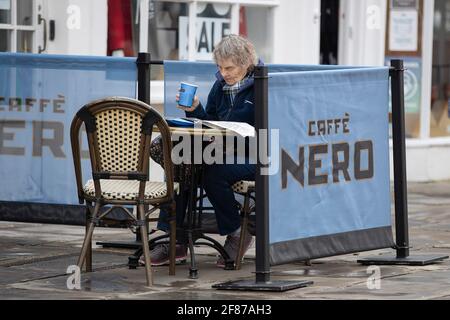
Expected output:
(202, 74)
(329, 191)
(329, 188)
(39, 95)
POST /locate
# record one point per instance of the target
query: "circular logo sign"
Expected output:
(411, 85)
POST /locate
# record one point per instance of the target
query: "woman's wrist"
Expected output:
(192, 108)
(195, 102)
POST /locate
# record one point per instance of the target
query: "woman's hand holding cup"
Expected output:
(186, 98)
(194, 106)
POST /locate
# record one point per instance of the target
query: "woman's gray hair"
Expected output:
(238, 49)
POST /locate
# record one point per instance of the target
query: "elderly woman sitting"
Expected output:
(230, 99)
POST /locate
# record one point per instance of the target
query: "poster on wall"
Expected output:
(213, 22)
(403, 30)
(209, 33)
(413, 85)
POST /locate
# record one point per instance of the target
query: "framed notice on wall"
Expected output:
(404, 4)
(404, 30)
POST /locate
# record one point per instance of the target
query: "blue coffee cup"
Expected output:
(187, 94)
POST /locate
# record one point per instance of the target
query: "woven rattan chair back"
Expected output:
(119, 134)
(119, 139)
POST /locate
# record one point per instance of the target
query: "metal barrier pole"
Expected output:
(143, 65)
(262, 181)
(399, 148)
(400, 182)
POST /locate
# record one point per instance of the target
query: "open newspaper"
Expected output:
(242, 129)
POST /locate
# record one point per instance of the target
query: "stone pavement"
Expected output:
(34, 259)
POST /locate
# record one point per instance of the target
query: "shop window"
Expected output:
(24, 12)
(163, 29)
(5, 40)
(5, 11)
(24, 41)
(168, 29)
(121, 30)
(440, 95)
(403, 41)
(213, 23)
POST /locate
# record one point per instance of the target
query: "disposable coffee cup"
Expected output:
(187, 94)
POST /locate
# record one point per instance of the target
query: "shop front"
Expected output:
(345, 32)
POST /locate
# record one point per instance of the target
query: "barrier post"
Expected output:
(399, 149)
(400, 181)
(143, 65)
(261, 181)
(262, 280)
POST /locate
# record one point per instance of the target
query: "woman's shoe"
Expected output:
(159, 255)
(231, 246)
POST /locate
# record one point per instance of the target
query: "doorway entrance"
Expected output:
(329, 31)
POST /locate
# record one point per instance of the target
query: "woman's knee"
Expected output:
(214, 175)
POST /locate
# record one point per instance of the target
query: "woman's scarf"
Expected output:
(232, 91)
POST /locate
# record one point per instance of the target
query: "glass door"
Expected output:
(20, 24)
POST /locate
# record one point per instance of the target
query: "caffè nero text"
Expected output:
(43, 133)
(329, 163)
(329, 126)
(32, 105)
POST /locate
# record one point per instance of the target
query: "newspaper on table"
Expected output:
(241, 128)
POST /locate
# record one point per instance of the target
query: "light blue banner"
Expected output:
(39, 95)
(320, 114)
(203, 75)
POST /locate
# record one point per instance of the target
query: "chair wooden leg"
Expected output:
(145, 247)
(89, 246)
(173, 240)
(88, 238)
(244, 225)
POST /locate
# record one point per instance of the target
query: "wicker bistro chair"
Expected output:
(246, 189)
(119, 134)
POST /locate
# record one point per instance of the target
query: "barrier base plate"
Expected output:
(251, 285)
(422, 260)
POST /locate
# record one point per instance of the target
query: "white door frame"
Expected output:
(362, 31)
(296, 29)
